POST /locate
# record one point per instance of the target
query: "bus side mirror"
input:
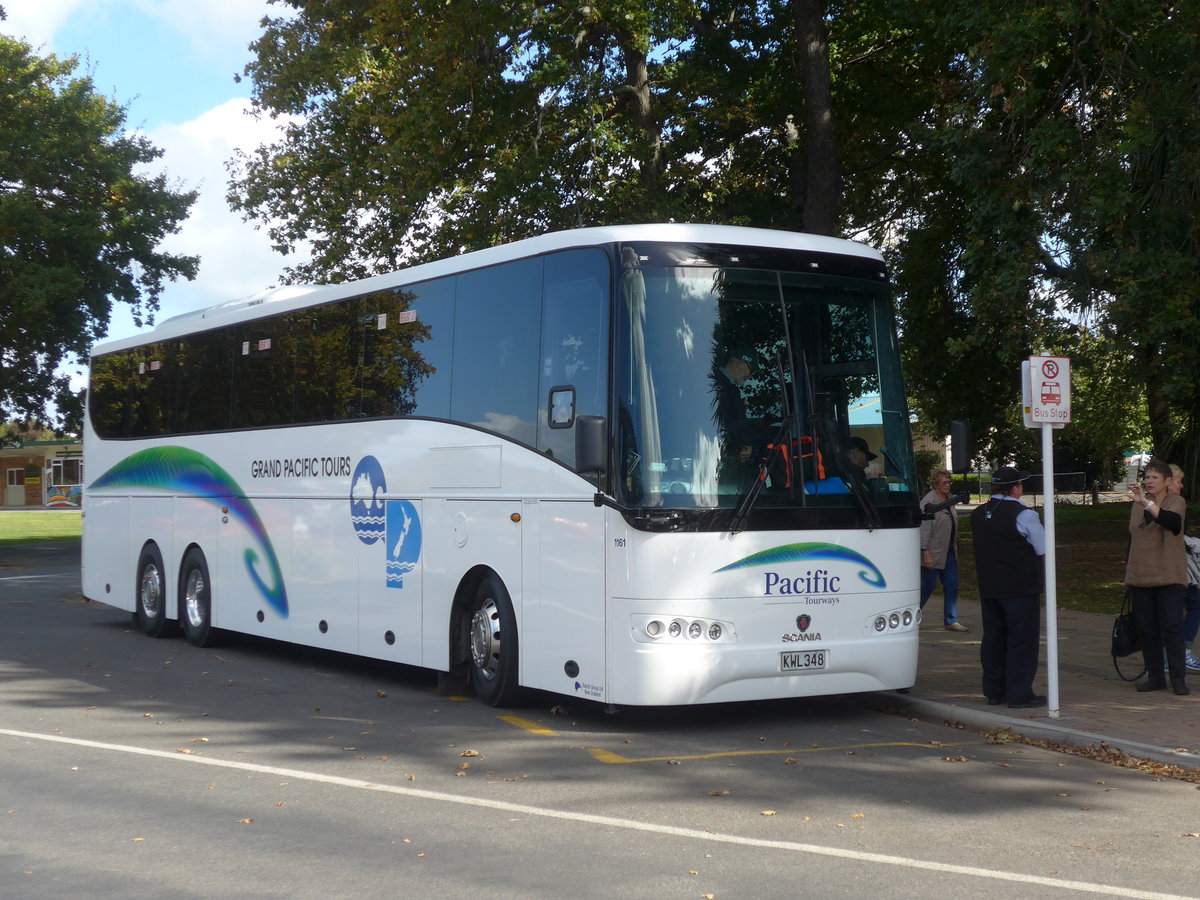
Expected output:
(962, 446)
(591, 444)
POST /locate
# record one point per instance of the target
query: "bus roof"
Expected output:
(282, 299)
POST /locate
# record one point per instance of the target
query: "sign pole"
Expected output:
(1047, 379)
(1051, 580)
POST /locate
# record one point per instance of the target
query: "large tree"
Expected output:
(1069, 140)
(424, 128)
(1031, 176)
(80, 224)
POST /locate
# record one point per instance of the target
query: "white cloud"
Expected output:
(213, 28)
(36, 21)
(235, 259)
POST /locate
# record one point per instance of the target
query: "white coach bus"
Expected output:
(644, 465)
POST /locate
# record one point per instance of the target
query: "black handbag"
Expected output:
(1126, 640)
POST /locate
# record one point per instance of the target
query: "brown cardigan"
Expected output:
(1157, 557)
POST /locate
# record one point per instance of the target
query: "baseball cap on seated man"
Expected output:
(1007, 475)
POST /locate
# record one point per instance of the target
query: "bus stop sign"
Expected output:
(1050, 389)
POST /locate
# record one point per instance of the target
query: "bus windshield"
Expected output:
(728, 375)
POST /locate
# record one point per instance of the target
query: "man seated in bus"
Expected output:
(739, 435)
(859, 462)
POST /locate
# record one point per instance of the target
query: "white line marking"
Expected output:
(610, 821)
(34, 577)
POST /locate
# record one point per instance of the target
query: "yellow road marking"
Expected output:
(607, 756)
(531, 727)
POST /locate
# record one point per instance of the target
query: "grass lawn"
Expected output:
(1091, 543)
(37, 527)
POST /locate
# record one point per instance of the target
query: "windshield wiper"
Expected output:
(742, 513)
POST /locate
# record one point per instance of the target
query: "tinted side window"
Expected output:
(496, 347)
(205, 378)
(108, 394)
(434, 305)
(574, 321)
(328, 362)
(152, 393)
(264, 372)
(394, 365)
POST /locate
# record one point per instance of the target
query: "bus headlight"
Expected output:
(651, 629)
(905, 619)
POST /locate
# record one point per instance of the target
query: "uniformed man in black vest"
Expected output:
(1009, 548)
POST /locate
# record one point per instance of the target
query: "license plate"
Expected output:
(802, 660)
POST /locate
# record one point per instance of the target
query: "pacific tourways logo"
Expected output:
(812, 581)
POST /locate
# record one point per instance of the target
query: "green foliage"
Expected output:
(1070, 175)
(1033, 175)
(430, 128)
(926, 461)
(78, 226)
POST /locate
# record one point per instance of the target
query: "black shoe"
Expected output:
(995, 701)
(1033, 702)
(1152, 684)
(1180, 687)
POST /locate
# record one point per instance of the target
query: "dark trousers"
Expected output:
(1159, 614)
(1010, 649)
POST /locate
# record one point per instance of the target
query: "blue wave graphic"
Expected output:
(188, 472)
(810, 551)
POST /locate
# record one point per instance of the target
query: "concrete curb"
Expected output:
(1058, 730)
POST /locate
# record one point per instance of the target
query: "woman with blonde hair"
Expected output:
(1156, 575)
(939, 551)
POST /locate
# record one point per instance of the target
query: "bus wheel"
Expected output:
(195, 598)
(151, 608)
(493, 642)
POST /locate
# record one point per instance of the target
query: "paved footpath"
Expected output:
(1095, 706)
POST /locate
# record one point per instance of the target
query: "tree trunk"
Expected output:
(821, 200)
(636, 93)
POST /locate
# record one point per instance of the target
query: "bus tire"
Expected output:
(150, 609)
(195, 599)
(492, 639)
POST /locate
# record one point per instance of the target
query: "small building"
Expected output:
(46, 474)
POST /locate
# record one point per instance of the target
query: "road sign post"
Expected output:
(1048, 382)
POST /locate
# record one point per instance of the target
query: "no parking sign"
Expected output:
(1049, 390)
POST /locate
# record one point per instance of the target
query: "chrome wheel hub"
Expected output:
(193, 598)
(150, 595)
(485, 638)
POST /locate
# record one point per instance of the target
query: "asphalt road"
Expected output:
(133, 767)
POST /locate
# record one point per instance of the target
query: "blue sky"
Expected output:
(172, 63)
